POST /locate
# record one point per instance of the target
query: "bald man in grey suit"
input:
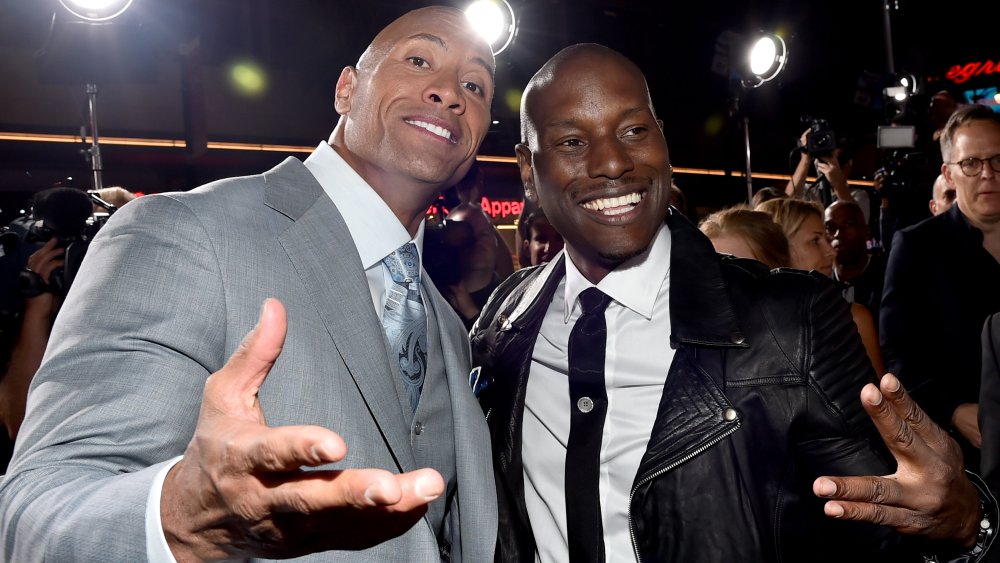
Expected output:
(155, 430)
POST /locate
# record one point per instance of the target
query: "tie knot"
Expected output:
(593, 300)
(404, 264)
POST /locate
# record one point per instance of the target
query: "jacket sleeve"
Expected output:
(910, 337)
(835, 435)
(119, 390)
(989, 403)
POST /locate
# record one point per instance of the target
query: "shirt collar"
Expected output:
(634, 284)
(375, 229)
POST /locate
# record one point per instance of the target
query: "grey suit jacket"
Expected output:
(170, 287)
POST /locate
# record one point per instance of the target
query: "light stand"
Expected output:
(746, 143)
(767, 57)
(94, 152)
(94, 12)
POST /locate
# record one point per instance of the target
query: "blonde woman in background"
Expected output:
(786, 232)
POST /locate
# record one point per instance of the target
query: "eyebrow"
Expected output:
(441, 42)
(571, 122)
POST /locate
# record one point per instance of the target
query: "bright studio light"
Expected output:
(767, 58)
(902, 87)
(96, 10)
(494, 21)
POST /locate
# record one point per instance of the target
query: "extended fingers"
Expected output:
(285, 448)
(895, 430)
(911, 413)
(901, 519)
(867, 489)
(360, 489)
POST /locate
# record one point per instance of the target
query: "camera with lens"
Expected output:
(901, 161)
(63, 214)
(899, 169)
(821, 140)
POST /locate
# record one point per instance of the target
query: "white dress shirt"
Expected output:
(377, 233)
(636, 361)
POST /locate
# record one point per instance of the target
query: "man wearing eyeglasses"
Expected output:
(942, 282)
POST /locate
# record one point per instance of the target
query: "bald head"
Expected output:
(594, 156)
(943, 196)
(567, 62)
(415, 108)
(404, 26)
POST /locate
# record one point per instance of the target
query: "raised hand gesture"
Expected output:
(240, 489)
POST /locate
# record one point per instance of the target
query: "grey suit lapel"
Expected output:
(323, 254)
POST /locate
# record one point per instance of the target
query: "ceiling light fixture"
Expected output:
(96, 10)
(494, 20)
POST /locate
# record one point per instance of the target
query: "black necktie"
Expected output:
(588, 406)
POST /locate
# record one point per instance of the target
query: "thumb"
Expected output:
(233, 389)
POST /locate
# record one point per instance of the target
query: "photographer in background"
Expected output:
(818, 145)
(24, 347)
(41, 255)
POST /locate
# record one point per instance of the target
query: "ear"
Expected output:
(659, 122)
(345, 88)
(527, 172)
(946, 172)
(933, 205)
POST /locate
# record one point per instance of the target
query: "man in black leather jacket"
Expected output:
(761, 395)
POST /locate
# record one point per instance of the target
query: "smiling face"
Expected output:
(416, 107)
(595, 158)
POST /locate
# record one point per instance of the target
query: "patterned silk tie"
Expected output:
(405, 320)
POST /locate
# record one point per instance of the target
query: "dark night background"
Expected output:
(162, 70)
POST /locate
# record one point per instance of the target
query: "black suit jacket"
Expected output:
(989, 403)
(940, 286)
(989, 409)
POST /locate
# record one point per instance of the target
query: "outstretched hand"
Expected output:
(240, 489)
(929, 494)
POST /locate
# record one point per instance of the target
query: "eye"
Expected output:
(474, 88)
(419, 62)
(635, 131)
(571, 143)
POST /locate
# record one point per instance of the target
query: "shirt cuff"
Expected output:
(157, 550)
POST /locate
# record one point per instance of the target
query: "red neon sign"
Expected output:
(499, 209)
(496, 208)
(961, 73)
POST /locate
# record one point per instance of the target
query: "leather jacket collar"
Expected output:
(700, 309)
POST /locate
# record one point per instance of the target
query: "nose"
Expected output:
(987, 171)
(827, 248)
(609, 158)
(448, 93)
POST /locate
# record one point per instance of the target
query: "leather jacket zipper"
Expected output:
(662, 470)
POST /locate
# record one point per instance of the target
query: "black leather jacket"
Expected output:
(761, 397)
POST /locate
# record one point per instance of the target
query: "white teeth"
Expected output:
(614, 205)
(439, 131)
